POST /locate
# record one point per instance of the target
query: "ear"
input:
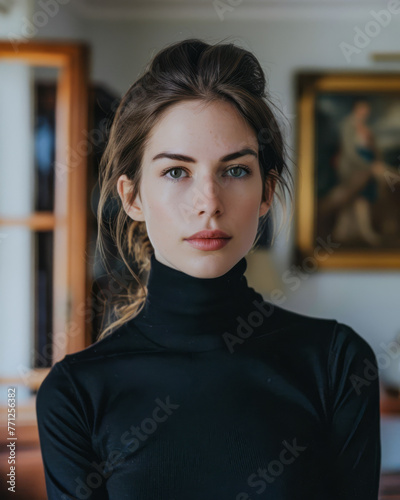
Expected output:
(270, 189)
(134, 209)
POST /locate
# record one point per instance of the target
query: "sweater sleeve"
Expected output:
(355, 446)
(72, 471)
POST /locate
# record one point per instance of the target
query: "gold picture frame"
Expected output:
(348, 181)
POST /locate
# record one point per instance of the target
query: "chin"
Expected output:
(211, 265)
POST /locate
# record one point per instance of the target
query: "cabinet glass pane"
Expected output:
(27, 138)
(26, 300)
(45, 90)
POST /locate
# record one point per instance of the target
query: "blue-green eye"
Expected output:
(239, 167)
(175, 170)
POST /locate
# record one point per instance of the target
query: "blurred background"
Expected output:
(65, 65)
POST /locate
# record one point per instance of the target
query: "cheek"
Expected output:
(162, 212)
(247, 217)
(160, 224)
(247, 207)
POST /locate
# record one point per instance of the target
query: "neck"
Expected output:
(182, 310)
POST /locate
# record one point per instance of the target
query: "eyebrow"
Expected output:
(229, 157)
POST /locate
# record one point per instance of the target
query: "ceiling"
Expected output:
(221, 9)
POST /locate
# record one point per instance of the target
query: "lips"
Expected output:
(209, 234)
(208, 244)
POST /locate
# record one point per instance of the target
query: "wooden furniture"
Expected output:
(68, 224)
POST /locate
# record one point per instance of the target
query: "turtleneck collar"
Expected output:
(183, 311)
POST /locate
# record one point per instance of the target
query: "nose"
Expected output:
(207, 198)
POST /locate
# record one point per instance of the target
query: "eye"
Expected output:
(237, 169)
(173, 170)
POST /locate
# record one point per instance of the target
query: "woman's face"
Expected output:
(200, 190)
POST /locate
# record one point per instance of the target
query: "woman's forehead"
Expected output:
(192, 127)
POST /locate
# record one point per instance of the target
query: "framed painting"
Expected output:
(348, 180)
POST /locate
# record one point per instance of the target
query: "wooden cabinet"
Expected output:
(50, 217)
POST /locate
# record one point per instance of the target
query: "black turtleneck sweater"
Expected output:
(212, 393)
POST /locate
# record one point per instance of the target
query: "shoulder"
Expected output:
(351, 358)
(288, 334)
(295, 326)
(289, 319)
(309, 333)
(86, 368)
(123, 341)
(339, 335)
(56, 396)
(340, 352)
(345, 338)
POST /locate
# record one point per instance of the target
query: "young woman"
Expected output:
(200, 388)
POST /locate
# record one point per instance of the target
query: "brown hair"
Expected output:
(187, 70)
